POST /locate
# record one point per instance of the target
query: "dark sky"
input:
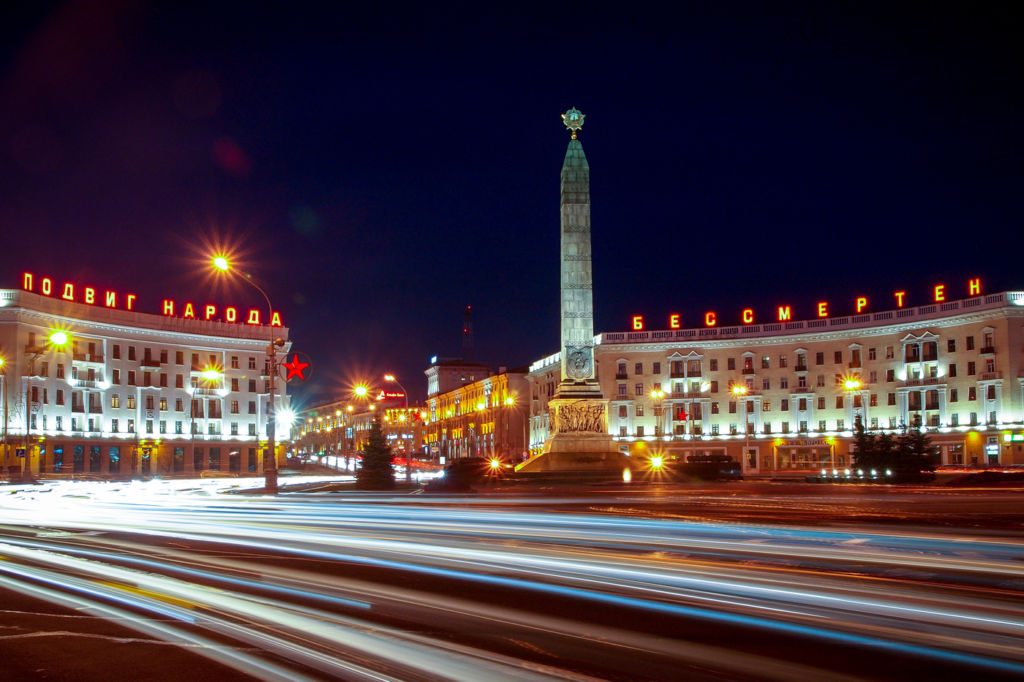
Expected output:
(381, 169)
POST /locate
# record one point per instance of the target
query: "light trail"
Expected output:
(361, 586)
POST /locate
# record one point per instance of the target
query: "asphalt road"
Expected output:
(165, 580)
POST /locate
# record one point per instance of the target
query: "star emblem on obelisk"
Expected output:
(295, 368)
(573, 120)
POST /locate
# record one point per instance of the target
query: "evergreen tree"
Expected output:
(908, 456)
(376, 472)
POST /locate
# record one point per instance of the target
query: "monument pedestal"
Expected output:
(580, 439)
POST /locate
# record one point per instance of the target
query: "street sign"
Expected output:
(19, 452)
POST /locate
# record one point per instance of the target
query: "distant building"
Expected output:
(342, 427)
(956, 369)
(131, 393)
(471, 411)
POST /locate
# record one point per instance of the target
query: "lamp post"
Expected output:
(270, 458)
(3, 385)
(405, 404)
(658, 395)
(852, 386)
(57, 341)
(740, 393)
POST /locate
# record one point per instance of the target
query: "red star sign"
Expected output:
(295, 368)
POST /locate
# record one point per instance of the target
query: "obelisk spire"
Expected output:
(578, 374)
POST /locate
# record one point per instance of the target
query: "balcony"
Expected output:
(927, 381)
(854, 364)
(988, 350)
(677, 375)
(85, 383)
(686, 395)
(803, 389)
(748, 370)
(149, 363)
(89, 358)
(621, 376)
(990, 376)
(800, 367)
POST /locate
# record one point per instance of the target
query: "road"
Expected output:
(173, 580)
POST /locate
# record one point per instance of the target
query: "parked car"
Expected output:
(710, 468)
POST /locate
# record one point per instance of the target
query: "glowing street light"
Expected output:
(220, 262)
(740, 390)
(360, 391)
(852, 384)
(58, 340)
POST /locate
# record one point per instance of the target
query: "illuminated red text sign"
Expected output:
(784, 313)
(113, 299)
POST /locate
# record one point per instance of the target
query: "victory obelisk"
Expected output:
(579, 438)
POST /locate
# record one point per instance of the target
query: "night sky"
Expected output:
(381, 169)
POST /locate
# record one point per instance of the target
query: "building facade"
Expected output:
(788, 396)
(131, 393)
(481, 414)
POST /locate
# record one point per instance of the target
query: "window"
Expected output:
(971, 368)
(952, 369)
(130, 402)
(117, 351)
(819, 358)
(990, 392)
(890, 352)
(131, 377)
(163, 381)
(131, 426)
(954, 419)
(801, 362)
(839, 357)
(656, 368)
(639, 430)
(821, 402)
(714, 387)
(163, 361)
(714, 364)
(179, 405)
(638, 368)
(638, 389)
(840, 425)
(114, 426)
(801, 381)
(252, 407)
(783, 361)
(149, 426)
(115, 400)
(891, 399)
(732, 407)
(234, 362)
(714, 429)
(766, 362)
(784, 404)
(873, 400)
(622, 412)
(953, 395)
(730, 363)
(970, 343)
(252, 386)
(234, 428)
(951, 345)
(872, 355)
(821, 425)
(147, 379)
(839, 402)
(801, 404)
(252, 363)
(234, 383)
(622, 430)
(714, 408)
(639, 410)
(784, 382)
(131, 352)
(60, 370)
(163, 426)
(179, 381)
(766, 383)
(177, 427)
(890, 375)
(785, 427)
(234, 407)
(179, 357)
(149, 402)
(873, 376)
(163, 403)
(821, 381)
(60, 397)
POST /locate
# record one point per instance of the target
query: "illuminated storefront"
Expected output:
(130, 393)
(787, 394)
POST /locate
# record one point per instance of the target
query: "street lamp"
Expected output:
(56, 341)
(405, 404)
(740, 392)
(657, 395)
(270, 458)
(3, 385)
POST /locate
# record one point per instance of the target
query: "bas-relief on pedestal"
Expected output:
(579, 437)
